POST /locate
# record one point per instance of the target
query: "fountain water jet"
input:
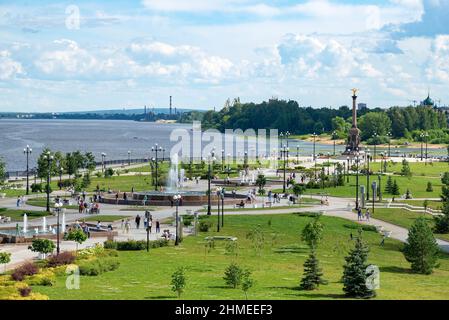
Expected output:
(25, 223)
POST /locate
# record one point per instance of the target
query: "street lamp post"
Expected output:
(156, 149)
(129, 158)
(347, 170)
(61, 171)
(210, 159)
(357, 181)
(103, 162)
(334, 135)
(176, 199)
(287, 135)
(222, 196)
(375, 135)
(58, 207)
(389, 135)
(426, 135)
(284, 152)
(49, 159)
(27, 151)
(328, 163)
(314, 154)
(222, 160)
(218, 208)
(297, 154)
(367, 176)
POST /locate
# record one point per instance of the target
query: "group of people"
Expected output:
(147, 223)
(363, 216)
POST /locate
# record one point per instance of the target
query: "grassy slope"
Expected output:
(277, 271)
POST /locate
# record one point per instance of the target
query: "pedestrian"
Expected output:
(137, 221)
(383, 241)
(150, 224)
(351, 236)
(145, 222)
(145, 198)
(116, 198)
(18, 202)
(125, 197)
(367, 215)
(122, 225)
(359, 214)
(158, 227)
(127, 226)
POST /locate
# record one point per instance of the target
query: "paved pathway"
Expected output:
(338, 208)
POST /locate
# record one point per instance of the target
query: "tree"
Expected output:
(421, 249)
(5, 258)
(405, 171)
(298, 189)
(429, 187)
(2, 171)
(76, 235)
(178, 281)
(257, 239)
(313, 276)
(312, 233)
(42, 246)
(247, 283)
(442, 221)
(42, 165)
(389, 185)
(374, 122)
(395, 189)
(355, 271)
(261, 182)
(233, 275)
(445, 178)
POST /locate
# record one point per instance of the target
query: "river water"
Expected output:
(115, 138)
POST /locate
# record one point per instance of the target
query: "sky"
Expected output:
(87, 55)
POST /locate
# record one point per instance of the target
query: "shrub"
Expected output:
(27, 269)
(42, 246)
(233, 275)
(204, 226)
(25, 291)
(76, 235)
(98, 266)
(37, 187)
(178, 281)
(133, 245)
(63, 258)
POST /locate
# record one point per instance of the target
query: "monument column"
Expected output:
(354, 108)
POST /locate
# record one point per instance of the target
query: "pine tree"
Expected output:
(405, 171)
(395, 189)
(389, 185)
(354, 271)
(421, 249)
(313, 276)
(442, 221)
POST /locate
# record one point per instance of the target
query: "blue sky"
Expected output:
(84, 55)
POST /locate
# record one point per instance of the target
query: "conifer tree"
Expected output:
(421, 249)
(313, 276)
(395, 189)
(442, 221)
(354, 271)
(389, 185)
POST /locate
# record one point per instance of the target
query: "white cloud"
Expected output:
(8, 67)
(438, 63)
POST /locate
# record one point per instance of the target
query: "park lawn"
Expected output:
(432, 204)
(277, 270)
(17, 215)
(104, 218)
(42, 203)
(432, 169)
(416, 184)
(405, 218)
(122, 183)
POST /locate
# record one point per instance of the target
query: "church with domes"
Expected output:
(428, 102)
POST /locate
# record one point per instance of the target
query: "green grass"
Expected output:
(418, 169)
(17, 215)
(277, 270)
(42, 203)
(416, 184)
(405, 218)
(122, 183)
(432, 204)
(105, 218)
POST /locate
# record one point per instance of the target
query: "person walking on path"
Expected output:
(137, 221)
(158, 227)
(359, 214)
(150, 224)
(367, 215)
(127, 226)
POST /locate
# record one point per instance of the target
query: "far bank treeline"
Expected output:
(406, 123)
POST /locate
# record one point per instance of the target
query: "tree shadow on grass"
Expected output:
(220, 287)
(315, 295)
(160, 298)
(394, 269)
(294, 248)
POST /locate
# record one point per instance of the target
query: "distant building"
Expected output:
(427, 102)
(362, 106)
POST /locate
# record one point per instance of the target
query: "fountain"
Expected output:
(44, 224)
(25, 223)
(173, 175)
